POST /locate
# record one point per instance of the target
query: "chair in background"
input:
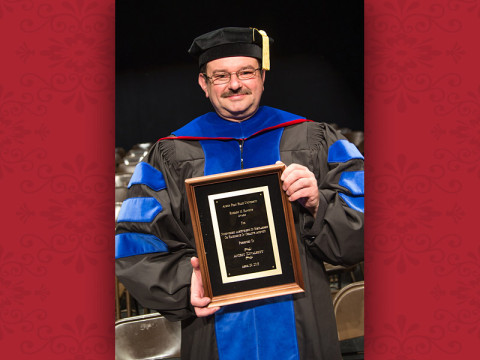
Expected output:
(119, 154)
(127, 167)
(134, 156)
(341, 276)
(348, 306)
(122, 179)
(147, 337)
(121, 183)
(355, 137)
(120, 194)
(118, 206)
(125, 304)
(143, 146)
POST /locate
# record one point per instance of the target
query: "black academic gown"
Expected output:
(154, 236)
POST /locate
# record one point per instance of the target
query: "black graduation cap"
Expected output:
(232, 41)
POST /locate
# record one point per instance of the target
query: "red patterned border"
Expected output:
(422, 125)
(56, 171)
(423, 150)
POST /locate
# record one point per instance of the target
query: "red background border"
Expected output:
(422, 126)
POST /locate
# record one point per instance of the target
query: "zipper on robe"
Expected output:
(240, 143)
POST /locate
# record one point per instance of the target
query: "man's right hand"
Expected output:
(197, 295)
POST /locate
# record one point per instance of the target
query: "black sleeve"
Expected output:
(336, 234)
(154, 264)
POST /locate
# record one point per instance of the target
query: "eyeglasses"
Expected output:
(224, 77)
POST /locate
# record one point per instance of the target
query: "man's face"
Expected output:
(236, 100)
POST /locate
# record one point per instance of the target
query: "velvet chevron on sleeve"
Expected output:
(153, 242)
(336, 235)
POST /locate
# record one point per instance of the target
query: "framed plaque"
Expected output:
(245, 235)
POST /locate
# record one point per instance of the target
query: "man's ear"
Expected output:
(203, 84)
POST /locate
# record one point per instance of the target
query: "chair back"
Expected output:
(145, 337)
(348, 306)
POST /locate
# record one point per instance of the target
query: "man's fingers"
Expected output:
(197, 298)
(294, 175)
(291, 168)
(200, 312)
(199, 301)
(195, 263)
(301, 193)
(302, 183)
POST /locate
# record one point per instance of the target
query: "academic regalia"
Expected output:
(154, 236)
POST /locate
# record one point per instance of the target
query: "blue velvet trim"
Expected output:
(263, 149)
(220, 156)
(353, 181)
(255, 152)
(146, 174)
(356, 203)
(212, 125)
(139, 209)
(264, 329)
(129, 244)
(257, 330)
(342, 151)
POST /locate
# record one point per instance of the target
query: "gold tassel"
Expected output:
(265, 49)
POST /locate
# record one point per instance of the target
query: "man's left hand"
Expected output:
(197, 295)
(300, 184)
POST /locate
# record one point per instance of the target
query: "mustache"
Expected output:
(236, 92)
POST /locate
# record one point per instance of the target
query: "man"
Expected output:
(155, 247)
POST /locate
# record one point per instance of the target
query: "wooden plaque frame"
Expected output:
(255, 199)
